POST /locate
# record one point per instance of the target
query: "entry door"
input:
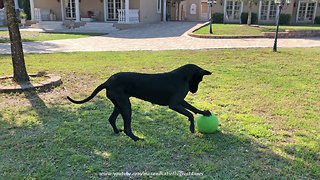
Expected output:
(112, 7)
(306, 11)
(70, 8)
(233, 11)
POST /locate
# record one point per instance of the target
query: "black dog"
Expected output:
(166, 89)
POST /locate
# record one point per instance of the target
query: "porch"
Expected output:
(84, 11)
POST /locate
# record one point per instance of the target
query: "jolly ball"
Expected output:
(207, 124)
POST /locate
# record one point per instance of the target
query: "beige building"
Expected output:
(121, 11)
(301, 11)
(148, 11)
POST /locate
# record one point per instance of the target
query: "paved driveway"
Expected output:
(161, 36)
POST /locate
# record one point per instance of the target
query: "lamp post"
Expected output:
(210, 2)
(279, 3)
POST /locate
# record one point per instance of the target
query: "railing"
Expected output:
(132, 19)
(37, 14)
(41, 14)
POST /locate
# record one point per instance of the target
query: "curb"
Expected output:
(51, 82)
(287, 34)
(192, 30)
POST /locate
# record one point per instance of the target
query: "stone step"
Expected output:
(91, 27)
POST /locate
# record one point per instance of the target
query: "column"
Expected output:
(77, 11)
(164, 10)
(32, 9)
(62, 9)
(127, 11)
(105, 10)
(16, 4)
(208, 11)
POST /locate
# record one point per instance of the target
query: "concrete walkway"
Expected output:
(161, 36)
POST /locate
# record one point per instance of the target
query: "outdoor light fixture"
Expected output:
(210, 2)
(279, 3)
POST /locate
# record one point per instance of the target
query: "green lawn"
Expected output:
(267, 103)
(304, 27)
(44, 36)
(236, 29)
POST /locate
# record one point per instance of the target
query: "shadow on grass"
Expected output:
(77, 141)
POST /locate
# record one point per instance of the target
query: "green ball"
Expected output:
(207, 124)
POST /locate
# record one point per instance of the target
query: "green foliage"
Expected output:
(218, 18)
(317, 20)
(26, 8)
(244, 18)
(285, 19)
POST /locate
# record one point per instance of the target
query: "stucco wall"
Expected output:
(134, 4)
(53, 5)
(148, 11)
(193, 17)
(218, 8)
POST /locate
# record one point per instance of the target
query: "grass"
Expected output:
(267, 103)
(45, 36)
(236, 29)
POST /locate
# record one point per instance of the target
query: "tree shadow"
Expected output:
(77, 141)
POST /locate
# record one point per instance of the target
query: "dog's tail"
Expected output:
(94, 93)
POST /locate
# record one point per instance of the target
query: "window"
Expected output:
(268, 11)
(306, 11)
(159, 6)
(233, 10)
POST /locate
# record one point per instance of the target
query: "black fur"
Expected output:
(166, 89)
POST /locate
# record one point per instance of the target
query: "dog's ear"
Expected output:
(205, 72)
(196, 79)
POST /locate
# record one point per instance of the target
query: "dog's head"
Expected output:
(195, 74)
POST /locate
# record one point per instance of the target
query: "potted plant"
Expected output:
(90, 14)
(23, 18)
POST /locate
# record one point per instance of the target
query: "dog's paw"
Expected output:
(206, 113)
(138, 139)
(117, 131)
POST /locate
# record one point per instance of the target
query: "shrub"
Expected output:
(244, 18)
(218, 17)
(285, 19)
(317, 20)
(26, 8)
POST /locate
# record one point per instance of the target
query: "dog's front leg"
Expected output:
(195, 110)
(180, 109)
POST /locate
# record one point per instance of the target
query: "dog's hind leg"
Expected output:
(123, 105)
(180, 109)
(112, 120)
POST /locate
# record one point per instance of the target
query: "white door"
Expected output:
(70, 9)
(306, 12)
(112, 9)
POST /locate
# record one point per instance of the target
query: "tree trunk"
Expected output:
(19, 67)
(249, 13)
